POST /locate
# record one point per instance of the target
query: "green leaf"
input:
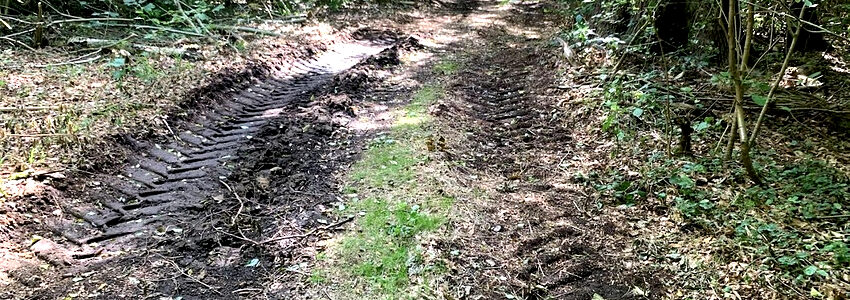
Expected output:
(597, 297)
(117, 62)
(682, 181)
(701, 126)
(760, 100)
(787, 260)
(253, 263)
(637, 112)
(810, 270)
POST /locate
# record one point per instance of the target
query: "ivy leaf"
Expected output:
(117, 62)
(682, 181)
(787, 260)
(637, 112)
(759, 99)
(701, 126)
(810, 270)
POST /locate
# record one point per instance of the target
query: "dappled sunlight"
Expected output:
(450, 149)
(381, 119)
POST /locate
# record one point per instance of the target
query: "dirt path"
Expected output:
(244, 190)
(148, 227)
(536, 233)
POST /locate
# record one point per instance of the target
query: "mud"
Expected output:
(167, 223)
(541, 241)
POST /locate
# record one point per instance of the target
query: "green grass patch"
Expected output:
(385, 252)
(386, 163)
(446, 67)
(397, 202)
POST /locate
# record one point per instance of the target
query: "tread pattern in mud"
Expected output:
(164, 181)
(512, 126)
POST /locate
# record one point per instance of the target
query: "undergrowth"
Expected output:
(396, 203)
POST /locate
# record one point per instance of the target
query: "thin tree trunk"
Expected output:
(735, 75)
(779, 76)
(748, 41)
(38, 35)
(730, 144)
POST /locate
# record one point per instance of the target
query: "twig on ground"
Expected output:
(14, 41)
(241, 204)
(243, 237)
(16, 20)
(137, 26)
(39, 135)
(303, 192)
(309, 233)
(831, 217)
(74, 61)
(89, 20)
(172, 131)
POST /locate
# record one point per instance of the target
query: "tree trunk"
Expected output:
(810, 38)
(735, 74)
(671, 25)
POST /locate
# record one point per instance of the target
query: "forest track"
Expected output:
(163, 181)
(537, 234)
(134, 214)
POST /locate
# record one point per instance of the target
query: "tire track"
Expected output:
(165, 182)
(540, 244)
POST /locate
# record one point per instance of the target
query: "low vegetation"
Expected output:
(770, 213)
(398, 204)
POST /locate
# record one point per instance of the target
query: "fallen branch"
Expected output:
(245, 29)
(14, 41)
(39, 135)
(830, 217)
(100, 43)
(90, 20)
(309, 233)
(241, 204)
(137, 26)
(74, 62)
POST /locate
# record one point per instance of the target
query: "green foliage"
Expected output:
(385, 250)
(386, 163)
(446, 67)
(118, 66)
(143, 69)
(399, 205)
(772, 220)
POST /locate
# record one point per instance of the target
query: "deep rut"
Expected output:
(164, 182)
(541, 242)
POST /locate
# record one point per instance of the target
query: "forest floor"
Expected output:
(445, 152)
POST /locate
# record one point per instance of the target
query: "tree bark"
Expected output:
(735, 74)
